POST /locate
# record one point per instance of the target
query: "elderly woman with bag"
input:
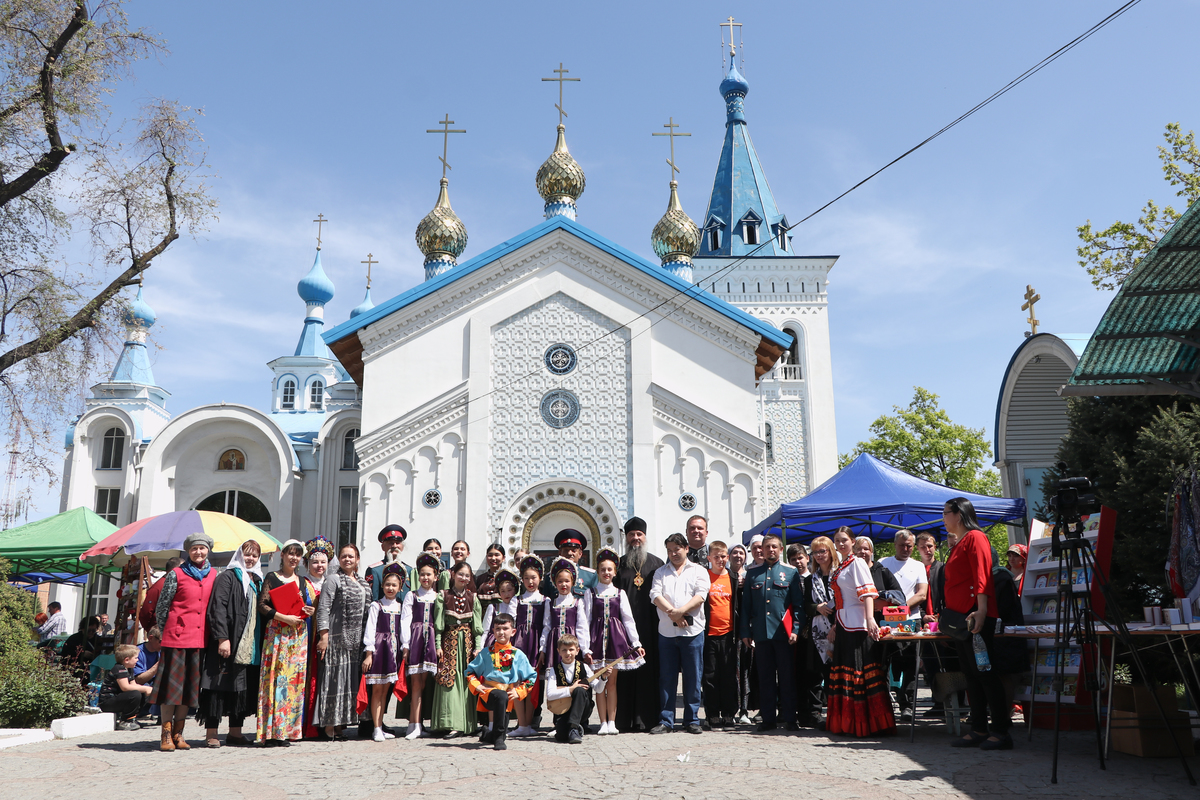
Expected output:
(341, 614)
(229, 683)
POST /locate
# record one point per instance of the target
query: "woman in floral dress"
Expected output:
(284, 669)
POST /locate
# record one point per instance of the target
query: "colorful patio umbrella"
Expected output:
(161, 537)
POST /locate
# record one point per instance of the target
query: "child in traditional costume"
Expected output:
(420, 638)
(506, 583)
(612, 633)
(565, 614)
(570, 677)
(500, 676)
(531, 611)
(382, 644)
(456, 619)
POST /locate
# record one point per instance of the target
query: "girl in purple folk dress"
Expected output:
(420, 640)
(382, 643)
(564, 614)
(531, 611)
(613, 635)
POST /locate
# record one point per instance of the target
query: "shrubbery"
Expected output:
(33, 691)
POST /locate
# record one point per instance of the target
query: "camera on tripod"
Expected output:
(1072, 501)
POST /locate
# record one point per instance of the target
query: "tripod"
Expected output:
(1076, 623)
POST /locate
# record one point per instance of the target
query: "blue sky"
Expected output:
(322, 108)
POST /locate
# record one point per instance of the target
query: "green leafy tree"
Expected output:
(1110, 255)
(923, 441)
(33, 690)
(1133, 448)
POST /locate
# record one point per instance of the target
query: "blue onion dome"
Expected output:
(363, 307)
(560, 178)
(676, 237)
(734, 83)
(442, 235)
(315, 288)
(139, 312)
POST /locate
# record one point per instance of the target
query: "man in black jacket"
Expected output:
(638, 704)
(719, 682)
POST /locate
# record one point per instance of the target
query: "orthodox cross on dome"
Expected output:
(671, 125)
(320, 220)
(370, 260)
(1030, 298)
(561, 79)
(731, 25)
(445, 131)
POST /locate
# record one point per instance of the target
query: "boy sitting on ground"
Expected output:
(570, 678)
(120, 695)
(499, 676)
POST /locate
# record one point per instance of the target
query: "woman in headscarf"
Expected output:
(341, 614)
(318, 552)
(180, 613)
(229, 682)
(285, 653)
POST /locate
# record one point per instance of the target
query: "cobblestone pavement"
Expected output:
(722, 765)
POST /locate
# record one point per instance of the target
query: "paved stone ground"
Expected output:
(722, 765)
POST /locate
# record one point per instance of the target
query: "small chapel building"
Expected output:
(554, 380)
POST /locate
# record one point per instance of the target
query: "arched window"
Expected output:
(349, 455)
(242, 505)
(749, 232)
(231, 461)
(714, 240)
(792, 368)
(113, 449)
(289, 394)
(316, 395)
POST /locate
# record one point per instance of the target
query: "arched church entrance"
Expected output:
(543, 510)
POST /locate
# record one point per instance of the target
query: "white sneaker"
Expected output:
(612, 728)
(414, 731)
(378, 735)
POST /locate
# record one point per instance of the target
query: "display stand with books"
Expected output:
(1039, 602)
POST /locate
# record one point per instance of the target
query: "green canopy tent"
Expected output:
(54, 544)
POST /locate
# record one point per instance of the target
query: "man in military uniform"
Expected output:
(570, 543)
(769, 592)
(391, 540)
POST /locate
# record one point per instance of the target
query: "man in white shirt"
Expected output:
(910, 574)
(56, 625)
(679, 589)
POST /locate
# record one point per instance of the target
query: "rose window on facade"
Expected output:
(560, 408)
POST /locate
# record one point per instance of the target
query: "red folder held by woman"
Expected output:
(287, 600)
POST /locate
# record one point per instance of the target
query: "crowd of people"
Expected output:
(765, 635)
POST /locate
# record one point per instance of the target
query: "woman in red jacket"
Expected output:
(969, 590)
(182, 612)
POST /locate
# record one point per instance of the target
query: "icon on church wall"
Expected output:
(560, 359)
(560, 408)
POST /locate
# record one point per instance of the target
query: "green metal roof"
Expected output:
(1148, 341)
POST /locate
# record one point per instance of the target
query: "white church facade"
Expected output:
(556, 380)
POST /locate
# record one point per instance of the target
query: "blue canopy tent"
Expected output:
(876, 500)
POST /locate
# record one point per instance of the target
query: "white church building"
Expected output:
(555, 380)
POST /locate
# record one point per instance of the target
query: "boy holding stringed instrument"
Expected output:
(499, 676)
(569, 685)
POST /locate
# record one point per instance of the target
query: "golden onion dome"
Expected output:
(442, 234)
(560, 179)
(675, 237)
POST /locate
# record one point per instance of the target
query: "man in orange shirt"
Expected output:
(719, 684)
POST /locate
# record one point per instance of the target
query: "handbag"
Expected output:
(954, 624)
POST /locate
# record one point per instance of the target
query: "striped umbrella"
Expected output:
(161, 537)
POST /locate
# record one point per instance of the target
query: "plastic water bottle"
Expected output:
(981, 656)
